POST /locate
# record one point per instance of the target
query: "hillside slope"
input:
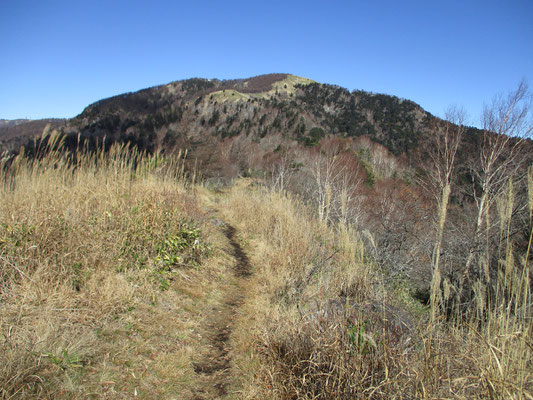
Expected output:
(223, 122)
(17, 133)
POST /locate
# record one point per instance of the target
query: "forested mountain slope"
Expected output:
(259, 115)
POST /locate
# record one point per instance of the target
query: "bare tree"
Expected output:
(506, 127)
(337, 179)
(447, 138)
(325, 173)
(281, 173)
(395, 227)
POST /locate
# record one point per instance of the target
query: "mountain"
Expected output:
(18, 132)
(12, 122)
(223, 122)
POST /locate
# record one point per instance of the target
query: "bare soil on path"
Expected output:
(213, 366)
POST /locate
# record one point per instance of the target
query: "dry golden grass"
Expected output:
(301, 266)
(96, 300)
(320, 324)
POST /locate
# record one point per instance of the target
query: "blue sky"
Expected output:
(60, 56)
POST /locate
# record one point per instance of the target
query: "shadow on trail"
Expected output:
(242, 268)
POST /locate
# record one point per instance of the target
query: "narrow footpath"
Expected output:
(214, 365)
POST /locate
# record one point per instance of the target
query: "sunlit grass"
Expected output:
(320, 322)
(105, 269)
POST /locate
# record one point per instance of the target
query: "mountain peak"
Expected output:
(272, 111)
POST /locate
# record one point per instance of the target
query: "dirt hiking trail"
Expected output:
(214, 365)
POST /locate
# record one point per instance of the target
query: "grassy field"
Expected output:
(114, 267)
(106, 274)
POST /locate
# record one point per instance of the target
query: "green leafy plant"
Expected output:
(164, 283)
(65, 360)
(361, 341)
(77, 278)
(15, 234)
(183, 248)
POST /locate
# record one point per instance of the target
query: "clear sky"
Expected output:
(60, 56)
